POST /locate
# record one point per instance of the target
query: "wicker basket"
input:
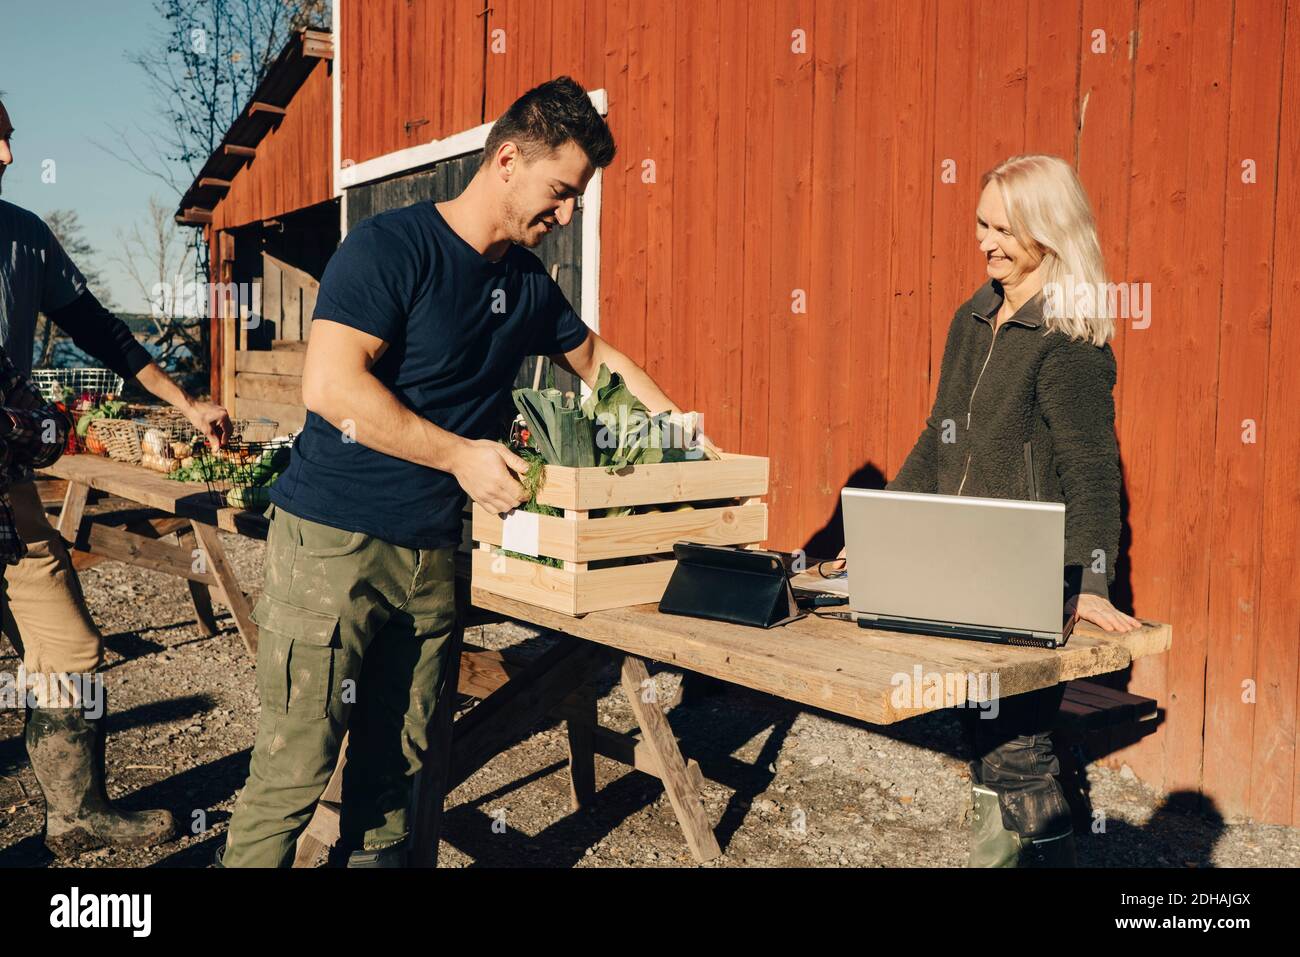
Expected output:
(119, 438)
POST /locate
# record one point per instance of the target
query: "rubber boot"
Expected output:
(993, 844)
(67, 754)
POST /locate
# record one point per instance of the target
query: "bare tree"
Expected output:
(158, 261)
(202, 64)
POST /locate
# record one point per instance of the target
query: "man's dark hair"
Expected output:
(547, 117)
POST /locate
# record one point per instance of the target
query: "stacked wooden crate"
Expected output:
(578, 539)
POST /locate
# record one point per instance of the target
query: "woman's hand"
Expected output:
(1099, 611)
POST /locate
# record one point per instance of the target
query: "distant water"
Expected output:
(68, 356)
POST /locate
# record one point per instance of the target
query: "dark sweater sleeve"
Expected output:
(99, 333)
(920, 471)
(1075, 392)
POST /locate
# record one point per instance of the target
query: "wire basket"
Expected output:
(240, 474)
(54, 384)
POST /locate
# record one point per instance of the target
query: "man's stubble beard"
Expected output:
(517, 225)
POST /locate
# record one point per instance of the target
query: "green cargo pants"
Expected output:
(353, 635)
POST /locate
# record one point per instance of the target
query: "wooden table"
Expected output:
(828, 664)
(183, 542)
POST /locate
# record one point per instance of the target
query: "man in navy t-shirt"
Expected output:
(423, 318)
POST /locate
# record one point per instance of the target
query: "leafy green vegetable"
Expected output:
(106, 409)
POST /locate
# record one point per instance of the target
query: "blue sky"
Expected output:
(63, 65)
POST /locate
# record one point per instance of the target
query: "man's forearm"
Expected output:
(638, 380)
(160, 384)
(361, 408)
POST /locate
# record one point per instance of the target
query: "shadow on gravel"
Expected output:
(1175, 836)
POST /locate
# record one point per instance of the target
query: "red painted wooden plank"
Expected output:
(791, 190)
(956, 265)
(913, 157)
(622, 295)
(1002, 52)
(497, 62)
(1275, 798)
(1238, 465)
(1104, 143)
(692, 333)
(466, 106)
(592, 72)
(658, 50)
(534, 45)
(756, 225)
(567, 53)
(1146, 438)
(824, 412)
(873, 124)
(726, 330)
(1197, 334)
(1052, 68)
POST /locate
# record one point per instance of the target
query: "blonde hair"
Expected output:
(1049, 212)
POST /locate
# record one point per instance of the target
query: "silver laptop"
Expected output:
(987, 569)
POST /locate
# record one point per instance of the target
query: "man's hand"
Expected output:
(210, 419)
(483, 468)
(1089, 607)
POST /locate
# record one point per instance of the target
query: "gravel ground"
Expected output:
(788, 786)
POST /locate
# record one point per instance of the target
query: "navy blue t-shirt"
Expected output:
(457, 327)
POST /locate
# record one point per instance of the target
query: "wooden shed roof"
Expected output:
(268, 104)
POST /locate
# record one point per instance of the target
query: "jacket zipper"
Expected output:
(971, 404)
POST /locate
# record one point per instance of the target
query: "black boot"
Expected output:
(67, 753)
(387, 857)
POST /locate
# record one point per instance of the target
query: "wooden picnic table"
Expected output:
(183, 542)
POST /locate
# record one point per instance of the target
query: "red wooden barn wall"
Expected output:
(776, 171)
(292, 169)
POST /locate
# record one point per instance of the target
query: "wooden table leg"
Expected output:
(74, 507)
(219, 566)
(582, 750)
(322, 831)
(200, 594)
(658, 737)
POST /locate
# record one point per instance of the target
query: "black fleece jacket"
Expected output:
(1026, 416)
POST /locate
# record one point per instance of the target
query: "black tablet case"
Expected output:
(737, 585)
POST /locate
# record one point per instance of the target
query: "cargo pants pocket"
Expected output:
(295, 658)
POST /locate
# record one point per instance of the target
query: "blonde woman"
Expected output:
(1024, 410)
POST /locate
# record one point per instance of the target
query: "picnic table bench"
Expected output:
(824, 663)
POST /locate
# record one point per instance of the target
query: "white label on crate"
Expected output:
(519, 532)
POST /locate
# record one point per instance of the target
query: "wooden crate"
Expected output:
(578, 539)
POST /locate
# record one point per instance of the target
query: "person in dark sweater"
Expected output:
(1024, 410)
(45, 614)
